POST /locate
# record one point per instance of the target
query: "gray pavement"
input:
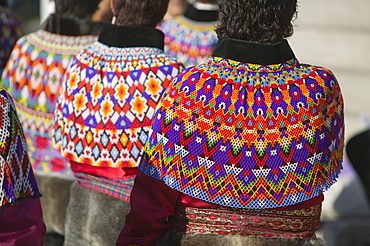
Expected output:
(53, 239)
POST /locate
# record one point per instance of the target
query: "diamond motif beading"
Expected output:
(33, 77)
(108, 98)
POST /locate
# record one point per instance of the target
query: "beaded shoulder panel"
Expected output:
(248, 136)
(33, 77)
(17, 181)
(107, 103)
(59, 44)
(189, 41)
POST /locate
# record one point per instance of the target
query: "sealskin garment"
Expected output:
(33, 76)
(21, 220)
(191, 37)
(11, 30)
(251, 129)
(108, 100)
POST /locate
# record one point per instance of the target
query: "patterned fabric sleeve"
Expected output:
(17, 181)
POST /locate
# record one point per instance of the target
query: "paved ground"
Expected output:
(52, 239)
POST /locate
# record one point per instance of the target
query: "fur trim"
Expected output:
(55, 190)
(93, 218)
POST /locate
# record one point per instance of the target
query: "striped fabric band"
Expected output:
(117, 188)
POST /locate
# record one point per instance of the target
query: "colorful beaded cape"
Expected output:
(33, 76)
(248, 136)
(17, 181)
(107, 104)
(189, 41)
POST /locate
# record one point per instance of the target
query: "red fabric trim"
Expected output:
(106, 172)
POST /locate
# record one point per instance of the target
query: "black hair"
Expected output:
(82, 9)
(140, 12)
(263, 21)
(4, 3)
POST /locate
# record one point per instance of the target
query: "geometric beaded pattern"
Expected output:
(248, 136)
(10, 29)
(189, 41)
(33, 76)
(107, 103)
(17, 181)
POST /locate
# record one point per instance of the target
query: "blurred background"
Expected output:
(336, 34)
(330, 33)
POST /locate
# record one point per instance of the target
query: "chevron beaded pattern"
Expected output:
(248, 136)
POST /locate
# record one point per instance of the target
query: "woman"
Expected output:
(108, 98)
(33, 76)
(21, 220)
(10, 32)
(243, 146)
(191, 37)
(175, 8)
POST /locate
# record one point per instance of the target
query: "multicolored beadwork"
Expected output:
(17, 181)
(248, 136)
(33, 76)
(108, 102)
(189, 41)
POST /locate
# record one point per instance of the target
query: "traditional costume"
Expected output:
(103, 116)
(33, 76)
(191, 37)
(10, 29)
(21, 220)
(243, 145)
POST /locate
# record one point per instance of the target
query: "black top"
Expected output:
(255, 53)
(131, 36)
(71, 27)
(200, 15)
